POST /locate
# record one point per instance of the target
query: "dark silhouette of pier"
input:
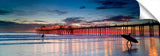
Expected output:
(104, 30)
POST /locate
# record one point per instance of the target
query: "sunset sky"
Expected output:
(26, 15)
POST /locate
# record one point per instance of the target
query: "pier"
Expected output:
(134, 29)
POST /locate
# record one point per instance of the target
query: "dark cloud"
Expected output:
(58, 12)
(39, 21)
(114, 18)
(20, 20)
(56, 24)
(23, 21)
(73, 20)
(17, 20)
(89, 24)
(119, 18)
(82, 7)
(96, 21)
(6, 26)
(4, 23)
(4, 12)
(112, 4)
(105, 7)
(115, 2)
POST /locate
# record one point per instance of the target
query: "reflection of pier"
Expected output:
(139, 29)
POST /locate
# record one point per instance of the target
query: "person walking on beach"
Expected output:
(42, 35)
(129, 35)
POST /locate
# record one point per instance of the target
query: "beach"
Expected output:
(32, 44)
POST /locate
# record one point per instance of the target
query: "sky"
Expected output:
(27, 15)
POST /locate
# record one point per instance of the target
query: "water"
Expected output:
(31, 44)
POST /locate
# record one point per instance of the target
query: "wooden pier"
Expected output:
(105, 30)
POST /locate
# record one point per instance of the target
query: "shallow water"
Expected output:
(72, 45)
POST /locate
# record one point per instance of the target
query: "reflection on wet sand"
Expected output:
(105, 48)
(152, 48)
(35, 49)
(123, 45)
(130, 50)
(110, 48)
(88, 47)
(94, 47)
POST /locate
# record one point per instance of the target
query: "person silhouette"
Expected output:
(129, 35)
(42, 35)
(129, 38)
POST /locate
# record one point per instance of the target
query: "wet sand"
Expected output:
(76, 45)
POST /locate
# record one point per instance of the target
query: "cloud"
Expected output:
(96, 21)
(82, 7)
(6, 26)
(119, 18)
(110, 4)
(114, 18)
(4, 23)
(39, 21)
(105, 7)
(17, 20)
(58, 12)
(74, 20)
(29, 21)
(4, 12)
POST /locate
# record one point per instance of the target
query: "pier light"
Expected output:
(123, 19)
(105, 20)
(127, 20)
